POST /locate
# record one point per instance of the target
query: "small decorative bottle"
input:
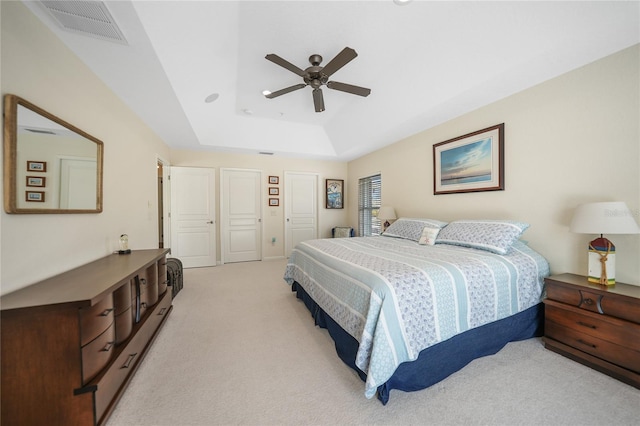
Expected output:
(124, 244)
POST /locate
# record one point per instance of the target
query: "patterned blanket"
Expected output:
(396, 297)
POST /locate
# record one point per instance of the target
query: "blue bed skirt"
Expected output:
(439, 361)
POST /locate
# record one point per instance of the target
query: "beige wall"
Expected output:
(559, 135)
(273, 219)
(39, 68)
(570, 140)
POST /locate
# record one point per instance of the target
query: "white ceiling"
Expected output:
(425, 62)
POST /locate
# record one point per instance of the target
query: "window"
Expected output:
(368, 206)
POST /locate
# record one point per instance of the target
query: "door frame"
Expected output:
(166, 200)
(223, 219)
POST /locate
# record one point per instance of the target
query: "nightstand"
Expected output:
(596, 325)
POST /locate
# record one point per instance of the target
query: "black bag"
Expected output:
(174, 275)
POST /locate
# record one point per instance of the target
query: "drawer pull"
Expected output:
(106, 312)
(108, 347)
(129, 360)
(143, 281)
(591, 345)
(162, 311)
(584, 324)
(143, 305)
(588, 301)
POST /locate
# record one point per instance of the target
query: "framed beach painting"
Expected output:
(470, 163)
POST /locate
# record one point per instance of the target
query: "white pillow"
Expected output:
(428, 236)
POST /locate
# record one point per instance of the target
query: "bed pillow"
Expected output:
(495, 236)
(411, 228)
(428, 236)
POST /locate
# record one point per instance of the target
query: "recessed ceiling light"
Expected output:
(402, 2)
(212, 97)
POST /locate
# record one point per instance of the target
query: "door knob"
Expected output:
(210, 222)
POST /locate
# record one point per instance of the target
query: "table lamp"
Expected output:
(603, 218)
(386, 213)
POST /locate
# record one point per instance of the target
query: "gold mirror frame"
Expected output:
(11, 128)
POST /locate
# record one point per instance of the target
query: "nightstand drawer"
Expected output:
(602, 349)
(611, 329)
(595, 300)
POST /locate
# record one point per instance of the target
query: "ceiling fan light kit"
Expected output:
(317, 76)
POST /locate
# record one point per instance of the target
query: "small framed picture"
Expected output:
(274, 202)
(274, 180)
(35, 196)
(36, 181)
(274, 191)
(36, 166)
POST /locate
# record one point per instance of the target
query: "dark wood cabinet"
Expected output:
(71, 343)
(596, 325)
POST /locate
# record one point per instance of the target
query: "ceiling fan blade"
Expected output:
(318, 100)
(349, 88)
(284, 63)
(340, 60)
(285, 91)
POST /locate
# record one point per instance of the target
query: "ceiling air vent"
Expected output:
(90, 18)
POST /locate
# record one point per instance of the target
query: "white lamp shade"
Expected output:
(604, 218)
(386, 213)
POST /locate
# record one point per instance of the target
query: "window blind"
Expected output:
(369, 201)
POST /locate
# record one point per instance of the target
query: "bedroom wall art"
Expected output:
(335, 191)
(470, 163)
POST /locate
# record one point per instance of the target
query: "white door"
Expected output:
(241, 215)
(78, 183)
(193, 229)
(301, 209)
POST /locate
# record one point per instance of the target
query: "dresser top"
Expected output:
(580, 280)
(84, 285)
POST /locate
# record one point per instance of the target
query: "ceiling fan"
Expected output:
(317, 76)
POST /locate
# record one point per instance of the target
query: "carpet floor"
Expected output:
(240, 349)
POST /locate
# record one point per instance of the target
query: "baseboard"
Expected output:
(273, 258)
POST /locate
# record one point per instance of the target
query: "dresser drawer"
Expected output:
(149, 285)
(163, 280)
(603, 349)
(124, 325)
(620, 332)
(122, 298)
(118, 373)
(95, 320)
(97, 354)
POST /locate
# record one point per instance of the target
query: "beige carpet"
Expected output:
(240, 349)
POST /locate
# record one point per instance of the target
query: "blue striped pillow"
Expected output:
(496, 236)
(411, 228)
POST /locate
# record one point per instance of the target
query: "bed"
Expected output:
(410, 307)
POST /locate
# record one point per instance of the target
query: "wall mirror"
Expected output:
(50, 166)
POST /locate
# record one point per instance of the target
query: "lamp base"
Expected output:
(602, 262)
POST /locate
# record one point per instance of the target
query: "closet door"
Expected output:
(241, 215)
(193, 229)
(301, 208)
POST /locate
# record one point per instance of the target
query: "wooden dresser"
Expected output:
(71, 343)
(596, 325)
